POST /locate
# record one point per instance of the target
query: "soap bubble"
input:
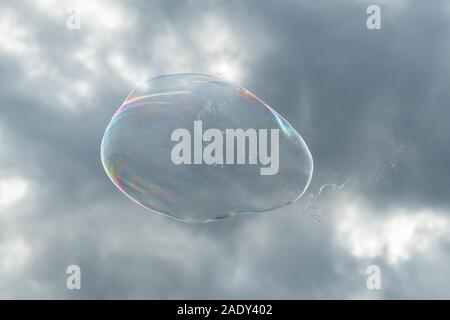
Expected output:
(136, 150)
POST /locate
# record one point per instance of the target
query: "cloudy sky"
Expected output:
(373, 106)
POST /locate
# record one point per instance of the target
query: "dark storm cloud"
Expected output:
(351, 91)
(355, 95)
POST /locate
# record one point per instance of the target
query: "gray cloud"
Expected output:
(356, 96)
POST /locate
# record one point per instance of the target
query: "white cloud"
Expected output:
(13, 255)
(396, 235)
(15, 39)
(102, 24)
(105, 14)
(127, 70)
(12, 190)
(221, 48)
(100, 14)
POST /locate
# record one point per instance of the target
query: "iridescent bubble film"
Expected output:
(137, 145)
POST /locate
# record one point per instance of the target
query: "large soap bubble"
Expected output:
(141, 141)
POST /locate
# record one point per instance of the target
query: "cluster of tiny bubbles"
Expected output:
(136, 150)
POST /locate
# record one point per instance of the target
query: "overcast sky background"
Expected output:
(373, 107)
